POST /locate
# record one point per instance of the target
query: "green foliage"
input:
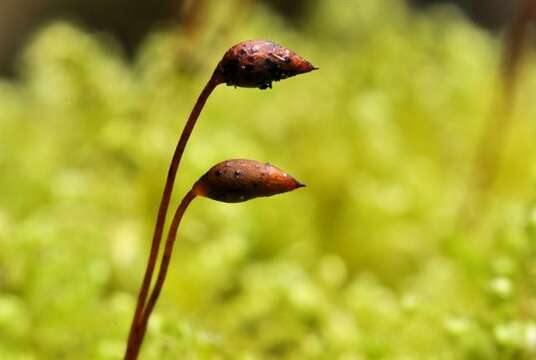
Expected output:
(367, 262)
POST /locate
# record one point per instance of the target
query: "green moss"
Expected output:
(366, 263)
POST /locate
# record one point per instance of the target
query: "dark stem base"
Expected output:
(164, 265)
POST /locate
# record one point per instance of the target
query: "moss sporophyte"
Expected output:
(255, 64)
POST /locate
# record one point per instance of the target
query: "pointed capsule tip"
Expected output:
(307, 67)
(299, 184)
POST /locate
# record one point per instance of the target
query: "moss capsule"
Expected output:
(257, 63)
(241, 180)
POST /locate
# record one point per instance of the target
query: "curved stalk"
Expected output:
(255, 63)
(164, 205)
(136, 345)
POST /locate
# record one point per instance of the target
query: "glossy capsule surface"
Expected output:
(240, 180)
(257, 63)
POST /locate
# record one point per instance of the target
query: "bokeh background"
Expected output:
(369, 261)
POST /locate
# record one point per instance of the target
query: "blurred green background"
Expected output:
(366, 262)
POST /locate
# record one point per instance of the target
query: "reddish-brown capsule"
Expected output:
(256, 63)
(241, 180)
